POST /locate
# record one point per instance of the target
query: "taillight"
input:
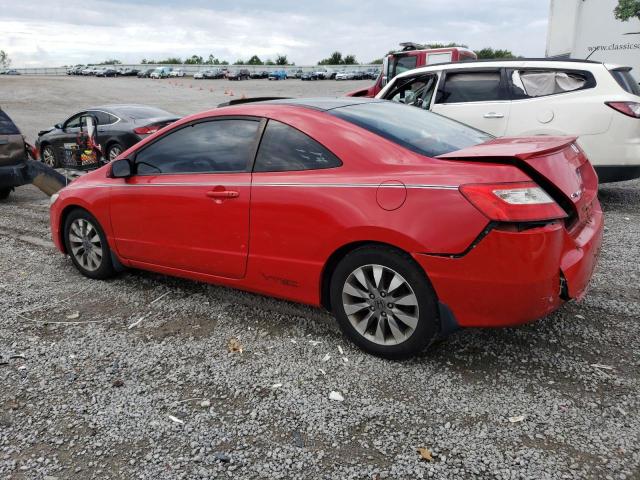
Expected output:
(631, 109)
(513, 202)
(149, 129)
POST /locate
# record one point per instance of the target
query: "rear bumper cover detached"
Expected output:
(515, 277)
(14, 175)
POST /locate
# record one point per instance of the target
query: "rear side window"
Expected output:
(626, 81)
(541, 83)
(418, 130)
(283, 148)
(207, 147)
(7, 127)
(471, 87)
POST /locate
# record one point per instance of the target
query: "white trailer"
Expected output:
(588, 29)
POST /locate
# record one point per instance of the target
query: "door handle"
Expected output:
(222, 194)
(493, 115)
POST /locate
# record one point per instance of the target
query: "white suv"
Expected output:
(598, 103)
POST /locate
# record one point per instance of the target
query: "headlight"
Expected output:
(53, 198)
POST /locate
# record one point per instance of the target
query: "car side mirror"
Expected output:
(122, 168)
(58, 126)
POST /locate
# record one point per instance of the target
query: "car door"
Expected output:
(477, 97)
(65, 137)
(187, 205)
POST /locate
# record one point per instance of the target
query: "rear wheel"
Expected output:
(4, 193)
(87, 245)
(384, 303)
(48, 156)
(113, 151)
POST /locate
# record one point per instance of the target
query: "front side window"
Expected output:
(540, 83)
(471, 87)
(207, 147)
(415, 91)
(423, 132)
(283, 148)
(74, 122)
(404, 64)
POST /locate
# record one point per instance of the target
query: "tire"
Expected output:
(4, 193)
(48, 156)
(386, 329)
(80, 231)
(113, 151)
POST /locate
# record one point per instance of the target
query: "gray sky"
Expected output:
(53, 33)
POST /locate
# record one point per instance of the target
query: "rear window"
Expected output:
(7, 127)
(626, 81)
(418, 130)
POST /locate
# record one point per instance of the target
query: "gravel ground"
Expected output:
(133, 377)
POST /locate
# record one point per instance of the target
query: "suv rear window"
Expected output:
(423, 132)
(626, 81)
(7, 127)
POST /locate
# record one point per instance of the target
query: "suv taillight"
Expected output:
(513, 202)
(631, 109)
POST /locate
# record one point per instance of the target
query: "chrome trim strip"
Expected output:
(300, 185)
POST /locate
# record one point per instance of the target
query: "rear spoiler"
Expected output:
(240, 101)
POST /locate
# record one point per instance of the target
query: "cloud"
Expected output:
(55, 33)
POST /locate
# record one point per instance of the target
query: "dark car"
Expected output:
(145, 73)
(119, 127)
(128, 72)
(107, 72)
(309, 76)
(13, 156)
(260, 74)
(240, 74)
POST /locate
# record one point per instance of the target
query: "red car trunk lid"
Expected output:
(556, 163)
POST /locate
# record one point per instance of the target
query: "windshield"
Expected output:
(423, 132)
(626, 81)
(7, 127)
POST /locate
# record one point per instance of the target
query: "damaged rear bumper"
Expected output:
(515, 277)
(14, 175)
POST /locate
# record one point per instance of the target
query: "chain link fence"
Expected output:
(191, 69)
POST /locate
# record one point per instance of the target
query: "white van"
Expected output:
(161, 72)
(598, 103)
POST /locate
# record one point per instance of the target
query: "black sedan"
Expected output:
(119, 127)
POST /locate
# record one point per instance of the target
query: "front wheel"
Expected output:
(48, 156)
(384, 302)
(87, 245)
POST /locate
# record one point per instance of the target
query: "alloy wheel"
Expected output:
(48, 157)
(85, 243)
(114, 152)
(380, 304)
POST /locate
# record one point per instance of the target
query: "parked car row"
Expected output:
(225, 72)
(11, 71)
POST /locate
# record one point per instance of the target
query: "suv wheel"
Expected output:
(384, 302)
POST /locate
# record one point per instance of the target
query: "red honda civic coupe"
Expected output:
(403, 223)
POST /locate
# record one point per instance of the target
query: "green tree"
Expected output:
(334, 59)
(349, 60)
(269, 62)
(5, 61)
(282, 60)
(111, 61)
(377, 61)
(239, 62)
(489, 53)
(255, 60)
(627, 9)
(194, 60)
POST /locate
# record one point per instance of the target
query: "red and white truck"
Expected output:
(413, 56)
